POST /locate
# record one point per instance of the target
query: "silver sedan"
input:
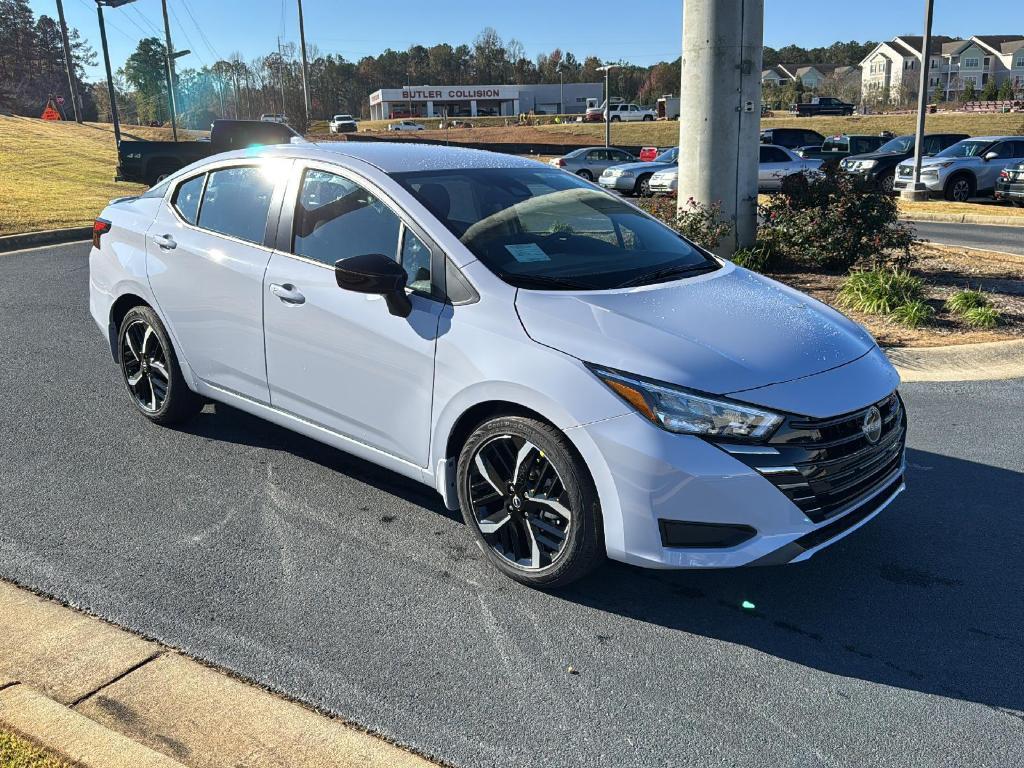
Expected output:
(776, 163)
(590, 162)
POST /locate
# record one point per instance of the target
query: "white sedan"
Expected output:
(776, 163)
(405, 125)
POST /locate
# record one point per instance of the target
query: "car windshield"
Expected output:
(965, 148)
(898, 145)
(547, 229)
(668, 156)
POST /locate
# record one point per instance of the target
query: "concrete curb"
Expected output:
(960, 362)
(965, 218)
(101, 697)
(45, 237)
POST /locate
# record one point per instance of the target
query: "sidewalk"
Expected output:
(102, 697)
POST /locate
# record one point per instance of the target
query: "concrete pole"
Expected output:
(305, 64)
(917, 190)
(110, 79)
(170, 72)
(719, 111)
(72, 91)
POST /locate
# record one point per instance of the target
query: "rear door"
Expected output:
(774, 166)
(1010, 151)
(336, 358)
(206, 254)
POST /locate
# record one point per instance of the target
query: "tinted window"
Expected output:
(236, 203)
(541, 228)
(416, 260)
(186, 199)
(773, 155)
(905, 144)
(336, 218)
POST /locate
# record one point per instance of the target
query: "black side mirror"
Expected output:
(377, 274)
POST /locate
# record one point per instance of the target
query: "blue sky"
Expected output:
(641, 31)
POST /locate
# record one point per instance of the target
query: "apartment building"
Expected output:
(811, 75)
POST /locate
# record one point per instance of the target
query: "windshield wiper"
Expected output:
(547, 281)
(666, 272)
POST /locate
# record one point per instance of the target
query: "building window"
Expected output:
(1019, 62)
(935, 63)
(971, 63)
(988, 60)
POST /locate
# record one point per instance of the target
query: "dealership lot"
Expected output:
(347, 587)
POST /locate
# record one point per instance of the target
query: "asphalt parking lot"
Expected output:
(351, 589)
(984, 236)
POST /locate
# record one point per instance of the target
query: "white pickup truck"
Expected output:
(629, 113)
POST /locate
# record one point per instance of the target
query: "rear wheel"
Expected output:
(530, 502)
(616, 118)
(150, 370)
(648, 118)
(158, 172)
(583, 173)
(960, 188)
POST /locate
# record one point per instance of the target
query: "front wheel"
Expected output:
(959, 189)
(886, 183)
(530, 502)
(150, 370)
(648, 118)
(643, 186)
(616, 119)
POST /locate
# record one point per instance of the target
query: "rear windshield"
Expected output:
(547, 229)
(835, 145)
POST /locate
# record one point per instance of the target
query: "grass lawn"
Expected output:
(993, 208)
(59, 174)
(18, 753)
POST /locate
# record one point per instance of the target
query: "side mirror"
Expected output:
(377, 274)
(991, 155)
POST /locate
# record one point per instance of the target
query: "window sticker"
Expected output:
(527, 252)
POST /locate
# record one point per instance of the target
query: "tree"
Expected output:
(939, 94)
(1006, 90)
(991, 91)
(968, 93)
(145, 71)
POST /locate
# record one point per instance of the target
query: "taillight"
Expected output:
(560, 162)
(100, 227)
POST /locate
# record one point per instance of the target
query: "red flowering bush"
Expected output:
(697, 222)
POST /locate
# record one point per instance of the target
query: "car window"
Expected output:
(1018, 149)
(236, 202)
(596, 155)
(773, 155)
(966, 148)
(416, 261)
(335, 218)
(622, 157)
(541, 228)
(186, 198)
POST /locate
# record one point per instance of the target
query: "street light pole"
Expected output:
(607, 103)
(917, 190)
(110, 78)
(170, 71)
(561, 91)
(73, 92)
(305, 64)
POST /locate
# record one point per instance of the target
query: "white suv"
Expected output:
(967, 169)
(629, 113)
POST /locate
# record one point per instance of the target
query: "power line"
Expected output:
(107, 22)
(188, 40)
(206, 41)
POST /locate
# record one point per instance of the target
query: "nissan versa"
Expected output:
(571, 374)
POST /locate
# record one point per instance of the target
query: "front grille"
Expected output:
(825, 465)
(906, 172)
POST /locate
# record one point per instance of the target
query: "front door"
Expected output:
(774, 166)
(340, 359)
(206, 258)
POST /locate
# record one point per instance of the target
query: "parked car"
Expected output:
(879, 167)
(1010, 184)
(459, 124)
(591, 162)
(274, 118)
(969, 168)
(628, 113)
(405, 125)
(566, 370)
(823, 105)
(342, 124)
(149, 162)
(776, 164)
(635, 178)
(792, 138)
(835, 148)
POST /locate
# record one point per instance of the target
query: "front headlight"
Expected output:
(680, 410)
(625, 174)
(866, 165)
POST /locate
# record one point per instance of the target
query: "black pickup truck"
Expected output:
(150, 161)
(823, 105)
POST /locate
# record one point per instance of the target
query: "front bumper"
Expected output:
(647, 477)
(661, 187)
(933, 184)
(618, 183)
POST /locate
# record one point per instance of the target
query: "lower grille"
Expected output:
(826, 465)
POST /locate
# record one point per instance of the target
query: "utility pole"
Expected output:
(917, 190)
(305, 64)
(170, 71)
(280, 74)
(719, 111)
(72, 91)
(607, 103)
(110, 78)
(561, 90)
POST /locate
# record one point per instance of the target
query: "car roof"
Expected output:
(393, 156)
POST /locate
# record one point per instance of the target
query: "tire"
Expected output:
(643, 186)
(524, 543)
(146, 355)
(616, 119)
(959, 188)
(583, 173)
(159, 172)
(885, 184)
(648, 119)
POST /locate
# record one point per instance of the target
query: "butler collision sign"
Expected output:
(473, 100)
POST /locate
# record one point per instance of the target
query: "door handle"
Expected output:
(287, 293)
(165, 241)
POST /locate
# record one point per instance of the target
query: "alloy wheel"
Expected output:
(519, 502)
(144, 365)
(961, 190)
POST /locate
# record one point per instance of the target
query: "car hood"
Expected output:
(882, 156)
(722, 332)
(928, 161)
(649, 165)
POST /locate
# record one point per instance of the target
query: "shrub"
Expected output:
(982, 317)
(962, 301)
(757, 258)
(697, 222)
(832, 222)
(880, 291)
(913, 314)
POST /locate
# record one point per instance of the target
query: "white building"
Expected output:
(482, 100)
